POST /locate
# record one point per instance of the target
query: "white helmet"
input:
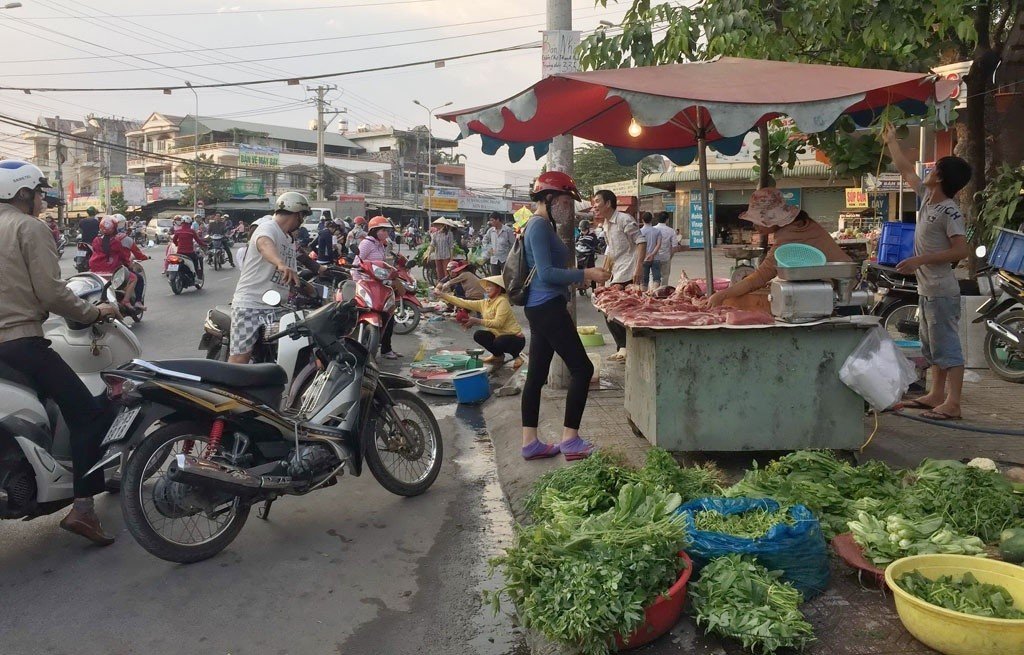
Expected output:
(292, 202)
(17, 175)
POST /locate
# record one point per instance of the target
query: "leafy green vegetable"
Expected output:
(822, 483)
(752, 524)
(966, 595)
(898, 537)
(740, 599)
(593, 484)
(582, 579)
(971, 500)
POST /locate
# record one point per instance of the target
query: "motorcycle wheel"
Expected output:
(901, 312)
(148, 498)
(1002, 360)
(405, 468)
(429, 273)
(218, 261)
(407, 317)
(176, 285)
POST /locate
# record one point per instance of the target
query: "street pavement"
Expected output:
(350, 569)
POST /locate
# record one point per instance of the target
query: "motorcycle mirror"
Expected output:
(272, 298)
(980, 252)
(119, 278)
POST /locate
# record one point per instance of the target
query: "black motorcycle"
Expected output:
(222, 443)
(82, 256)
(1003, 315)
(897, 301)
(216, 254)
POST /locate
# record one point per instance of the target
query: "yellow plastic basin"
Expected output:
(953, 633)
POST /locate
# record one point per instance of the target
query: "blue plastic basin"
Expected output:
(472, 386)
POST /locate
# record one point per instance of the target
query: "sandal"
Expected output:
(935, 415)
(540, 450)
(913, 403)
(516, 363)
(577, 448)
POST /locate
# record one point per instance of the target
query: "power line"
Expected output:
(290, 80)
(259, 11)
(285, 57)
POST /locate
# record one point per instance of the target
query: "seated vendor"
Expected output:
(771, 215)
(461, 274)
(501, 334)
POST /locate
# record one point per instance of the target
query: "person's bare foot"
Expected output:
(947, 410)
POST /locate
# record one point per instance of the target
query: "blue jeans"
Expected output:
(651, 269)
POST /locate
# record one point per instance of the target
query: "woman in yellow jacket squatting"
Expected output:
(500, 333)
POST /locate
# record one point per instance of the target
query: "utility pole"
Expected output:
(430, 155)
(558, 55)
(321, 128)
(59, 156)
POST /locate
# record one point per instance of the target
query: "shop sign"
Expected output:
(471, 203)
(134, 189)
(444, 199)
(628, 188)
(791, 196)
(880, 203)
(883, 183)
(247, 186)
(697, 218)
(856, 199)
(258, 156)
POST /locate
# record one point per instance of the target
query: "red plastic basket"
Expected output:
(662, 614)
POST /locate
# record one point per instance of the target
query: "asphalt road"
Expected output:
(350, 569)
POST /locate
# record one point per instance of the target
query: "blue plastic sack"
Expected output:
(798, 550)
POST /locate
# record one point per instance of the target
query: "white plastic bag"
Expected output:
(877, 370)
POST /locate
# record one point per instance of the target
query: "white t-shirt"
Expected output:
(668, 239)
(622, 235)
(258, 275)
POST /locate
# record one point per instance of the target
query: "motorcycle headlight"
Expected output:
(381, 273)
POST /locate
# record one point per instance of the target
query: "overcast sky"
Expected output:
(61, 43)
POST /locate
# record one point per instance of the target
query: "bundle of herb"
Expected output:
(971, 500)
(740, 599)
(592, 485)
(822, 483)
(752, 524)
(580, 580)
(966, 595)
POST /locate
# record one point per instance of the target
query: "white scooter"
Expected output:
(35, 446)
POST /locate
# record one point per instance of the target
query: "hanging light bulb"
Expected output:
(634, 128)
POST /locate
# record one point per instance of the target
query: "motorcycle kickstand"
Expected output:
(264, 512)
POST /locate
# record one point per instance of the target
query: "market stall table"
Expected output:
(755, 388)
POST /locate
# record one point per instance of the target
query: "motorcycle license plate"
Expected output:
(172, 267)
(121, 424)
(82, 251)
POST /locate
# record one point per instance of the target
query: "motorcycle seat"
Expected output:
(221, 317)
(232, 375)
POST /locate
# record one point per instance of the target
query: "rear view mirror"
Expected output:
(119, 278)
(272, 298)
(980, 252)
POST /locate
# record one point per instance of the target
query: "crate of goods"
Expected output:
(1008, 253)
(896, 243)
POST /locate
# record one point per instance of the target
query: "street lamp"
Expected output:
(195, 155)
(430, 151)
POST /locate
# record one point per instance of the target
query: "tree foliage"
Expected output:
(211, 182)
(118, 205)
(594, 164)
(895, 34)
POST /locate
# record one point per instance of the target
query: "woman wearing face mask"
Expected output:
(551, 327)
(374, 248)
(500, 333)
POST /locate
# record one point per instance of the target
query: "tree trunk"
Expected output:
(1011, 121)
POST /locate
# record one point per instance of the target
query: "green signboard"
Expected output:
(247, 186)
(258, 156)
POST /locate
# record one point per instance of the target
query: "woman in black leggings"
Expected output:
(551, 327)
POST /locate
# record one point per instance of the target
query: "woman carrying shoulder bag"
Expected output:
(551, 327)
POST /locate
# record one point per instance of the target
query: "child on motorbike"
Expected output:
(111, 251)
(586, 251)
(500, 334)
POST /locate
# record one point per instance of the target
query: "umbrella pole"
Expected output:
(702, 155)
